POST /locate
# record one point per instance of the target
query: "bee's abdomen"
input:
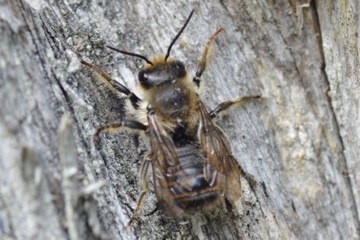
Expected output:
(190, 189)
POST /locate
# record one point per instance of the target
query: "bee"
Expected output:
(189, 159)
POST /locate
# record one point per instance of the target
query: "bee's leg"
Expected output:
(135, 100)
(116, 126)
(144, 183)
(139, 206)
(206, 53)
(225, 105)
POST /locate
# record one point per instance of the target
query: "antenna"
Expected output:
(177, 35)
(131, 54)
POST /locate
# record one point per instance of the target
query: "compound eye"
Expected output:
(180, 65)
(142, 76)
(180, 68)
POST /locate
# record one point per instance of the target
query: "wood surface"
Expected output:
(301, 142)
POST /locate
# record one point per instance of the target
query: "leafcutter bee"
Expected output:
(190, 159)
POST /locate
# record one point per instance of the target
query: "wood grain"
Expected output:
(301, 142)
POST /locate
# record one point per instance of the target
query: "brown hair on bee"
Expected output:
(191, 162)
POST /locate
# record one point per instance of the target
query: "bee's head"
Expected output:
(161, 72)
(161, 69)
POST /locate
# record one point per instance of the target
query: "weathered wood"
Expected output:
(340, 23)
(300, 142)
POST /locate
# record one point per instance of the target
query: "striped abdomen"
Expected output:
(187, 185)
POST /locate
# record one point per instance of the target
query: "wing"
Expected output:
(220, 167)
(165, 165)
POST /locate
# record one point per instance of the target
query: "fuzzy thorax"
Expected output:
(175, 103)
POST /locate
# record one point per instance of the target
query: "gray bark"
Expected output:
(301, 142)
